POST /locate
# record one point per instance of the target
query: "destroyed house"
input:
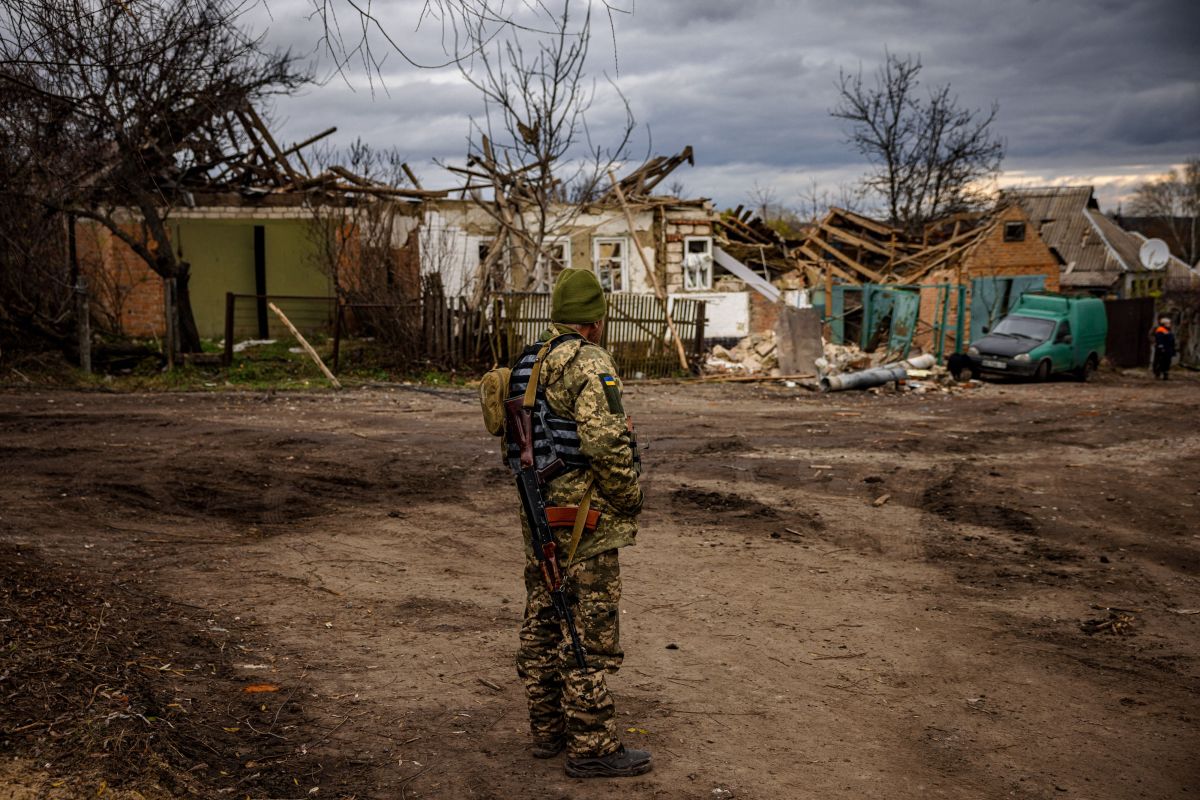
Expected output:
(936, 289)
(1097, 256)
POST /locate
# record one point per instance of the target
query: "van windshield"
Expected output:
(1024, 328)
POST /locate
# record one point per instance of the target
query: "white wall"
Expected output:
(448, 250)
(726, 314)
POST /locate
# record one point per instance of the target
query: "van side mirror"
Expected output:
(987, 328)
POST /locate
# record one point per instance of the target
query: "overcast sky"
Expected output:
(1104, 92)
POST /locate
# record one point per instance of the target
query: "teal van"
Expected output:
(1043, 334)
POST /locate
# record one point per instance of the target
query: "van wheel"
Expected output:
(1089, 366)
(1043, 372)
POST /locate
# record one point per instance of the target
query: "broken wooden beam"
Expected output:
(308, 348)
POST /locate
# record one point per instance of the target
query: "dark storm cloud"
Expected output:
(1089, 90)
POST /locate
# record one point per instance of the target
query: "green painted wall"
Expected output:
(221, 253)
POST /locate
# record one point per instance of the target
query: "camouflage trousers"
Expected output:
(564, 699)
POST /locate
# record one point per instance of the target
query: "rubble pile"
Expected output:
(922, 374)
(756, 354)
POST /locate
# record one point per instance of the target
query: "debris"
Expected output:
(1184, 611)
(259, 688)
(879, 501)
(754, 354)
(490, 685)
(864, 379)
(239, 347)
(1118, 622)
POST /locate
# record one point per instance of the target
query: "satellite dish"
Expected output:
(1154, 254)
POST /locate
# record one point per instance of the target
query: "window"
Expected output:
(609, 259)
(1064, 332)
(697, 263)
(554, 258)
(1014, 231)
(485, 247)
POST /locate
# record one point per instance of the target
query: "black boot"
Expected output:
(621, 764)
(549, 748)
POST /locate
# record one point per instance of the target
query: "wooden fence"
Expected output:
(439, 332)
(635, 332)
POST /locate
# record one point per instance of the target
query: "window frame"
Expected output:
(1012, 226)
(545, 280)
(624, 241)
(708, 284)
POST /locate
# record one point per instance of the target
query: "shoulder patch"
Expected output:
(612, 393)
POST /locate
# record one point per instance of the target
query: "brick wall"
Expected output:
(125, 292)
(677, 229)
(996, 257)
(991, 258)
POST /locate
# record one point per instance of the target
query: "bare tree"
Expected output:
(354, 237)
(356, 35)
(928, 153)
(1173, 200)
(816, 200)
(113, 104)
(532, 161)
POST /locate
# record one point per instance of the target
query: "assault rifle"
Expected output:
(529, 486)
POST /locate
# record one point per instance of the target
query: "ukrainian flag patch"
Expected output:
(612, 393)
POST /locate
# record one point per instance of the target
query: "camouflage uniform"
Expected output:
(581, 384)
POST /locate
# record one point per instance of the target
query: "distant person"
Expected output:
(1164, 348)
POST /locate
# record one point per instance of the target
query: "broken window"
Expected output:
(609, 259)
(697, 263)
(496, 276)
(1014, 231)
(554, 258)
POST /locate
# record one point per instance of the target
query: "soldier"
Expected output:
(581, 420)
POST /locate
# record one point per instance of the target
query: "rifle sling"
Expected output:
(581, 516)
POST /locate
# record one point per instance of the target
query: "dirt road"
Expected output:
(787, 633)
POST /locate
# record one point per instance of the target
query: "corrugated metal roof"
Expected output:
(1094, 248)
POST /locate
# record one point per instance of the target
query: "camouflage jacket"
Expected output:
(581, 383)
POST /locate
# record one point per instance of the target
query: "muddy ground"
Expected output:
(787, 636)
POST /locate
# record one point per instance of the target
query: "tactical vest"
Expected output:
(553, 436)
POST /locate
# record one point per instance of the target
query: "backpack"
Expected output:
(493, 391)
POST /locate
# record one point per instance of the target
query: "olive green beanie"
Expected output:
(578, 298)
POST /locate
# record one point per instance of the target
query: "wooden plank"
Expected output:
(866, 244)
(861, 221)
(849, 262)
(825, 263)
(928, 251)
(308, 348)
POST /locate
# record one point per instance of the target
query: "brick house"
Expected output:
(266, 247)
(1009, 259)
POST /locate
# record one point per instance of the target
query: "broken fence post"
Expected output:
(83, 324)
(308, 348)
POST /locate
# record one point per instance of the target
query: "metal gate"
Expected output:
(1129, 325)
